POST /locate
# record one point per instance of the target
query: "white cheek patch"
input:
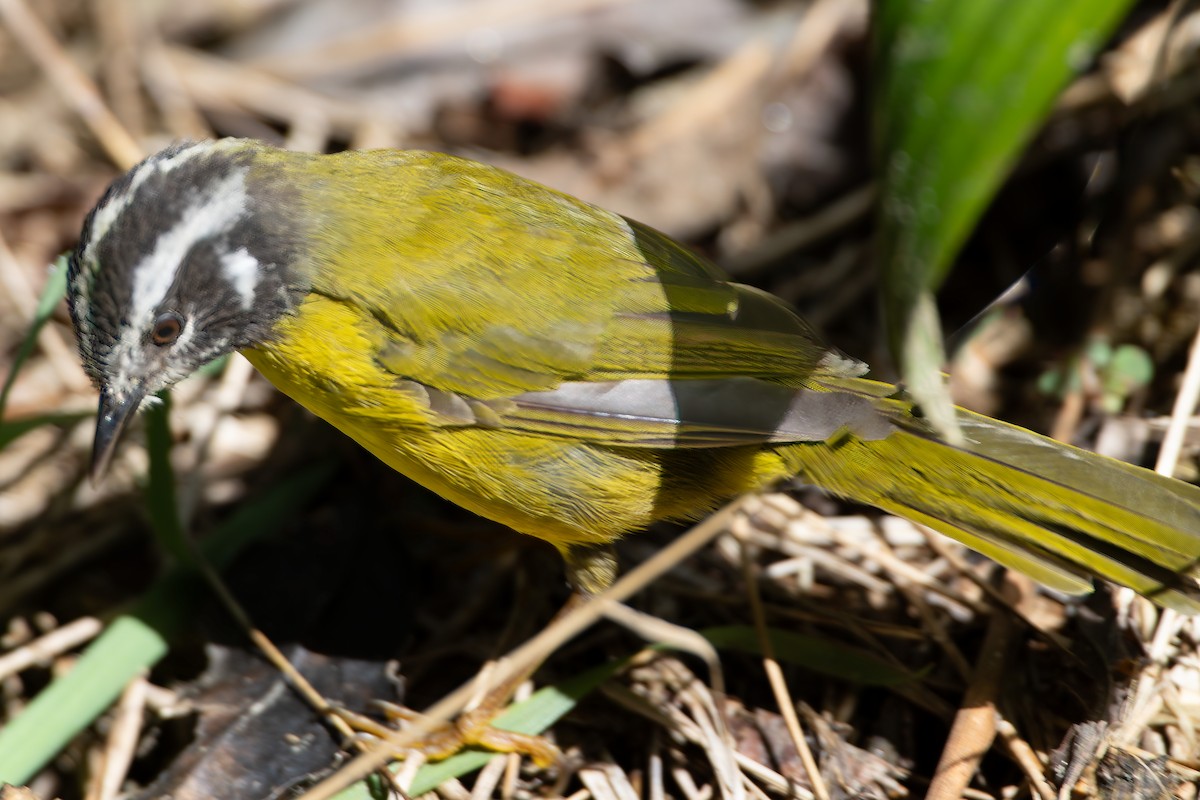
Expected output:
(210, 213)
(241, 270)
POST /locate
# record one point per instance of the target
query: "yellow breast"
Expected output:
(555, 489)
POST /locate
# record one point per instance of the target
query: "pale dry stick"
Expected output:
(901, 571)
(1169, 622)
(452, 789)
(1026, 758)
(309, 130)
(376, 134)
(710, 723)
(120, 26)
(783, 697)
(121, 744)
(1180, 709)
(50, 338)
(566, 774)
(1185, 404)
(949, 550)
(48, 647)
(821, 556)
(597, 784)
(535, 650)
(166, 703)
(931, 625)
(655, 629)
(75, 86)
(770, 779)
(755, 791)
(683, 779)
(654, 776)
(1136, 70)
(883, 553)
(978, 794)
(707, 101)
(974, 728)
(620, 779)
(800, 234)
(488, 779)
(640, 704)
(747, 71)
(230, 18)
(823, 20)
(444, 24)
(216, 83)
(169, 93)
(403, 778)
(512, 761)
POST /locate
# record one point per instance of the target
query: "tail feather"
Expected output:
(1055, 512)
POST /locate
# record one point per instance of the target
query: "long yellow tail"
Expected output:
(1052, 511)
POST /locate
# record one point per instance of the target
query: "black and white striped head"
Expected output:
(181, 261)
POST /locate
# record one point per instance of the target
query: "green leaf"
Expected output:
(160, 497)
(52, 295)
(961, 88)
(136, 639)
(12, 430)
(813, 653)
(1128, 369)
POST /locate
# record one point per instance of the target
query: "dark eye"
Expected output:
(166, 328)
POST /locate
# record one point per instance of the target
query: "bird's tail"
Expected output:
(1052, 511)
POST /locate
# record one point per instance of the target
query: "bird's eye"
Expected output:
(166, 328)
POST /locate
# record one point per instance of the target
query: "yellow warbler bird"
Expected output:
(558, 368)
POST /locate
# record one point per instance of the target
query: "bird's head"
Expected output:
(185, 258)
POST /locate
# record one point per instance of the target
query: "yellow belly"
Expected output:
(555, 489)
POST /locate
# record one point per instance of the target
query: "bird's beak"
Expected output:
(115, 413)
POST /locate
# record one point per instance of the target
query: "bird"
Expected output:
(558, 368)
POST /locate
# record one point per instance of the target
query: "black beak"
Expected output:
(115, 413)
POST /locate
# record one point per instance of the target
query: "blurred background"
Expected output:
(747, 130)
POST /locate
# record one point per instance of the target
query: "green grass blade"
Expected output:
(52, 295)
(813, 653)
(139, 637)
(162, 505)
(11, 431)
(65, 707)
(962, 87)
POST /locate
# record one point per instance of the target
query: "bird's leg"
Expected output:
(591, 569)
(474, 728)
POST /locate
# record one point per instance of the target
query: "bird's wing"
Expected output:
(562, 319)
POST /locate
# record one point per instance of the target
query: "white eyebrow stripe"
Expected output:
(107, 214)
(209, 213)
(242, 271)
